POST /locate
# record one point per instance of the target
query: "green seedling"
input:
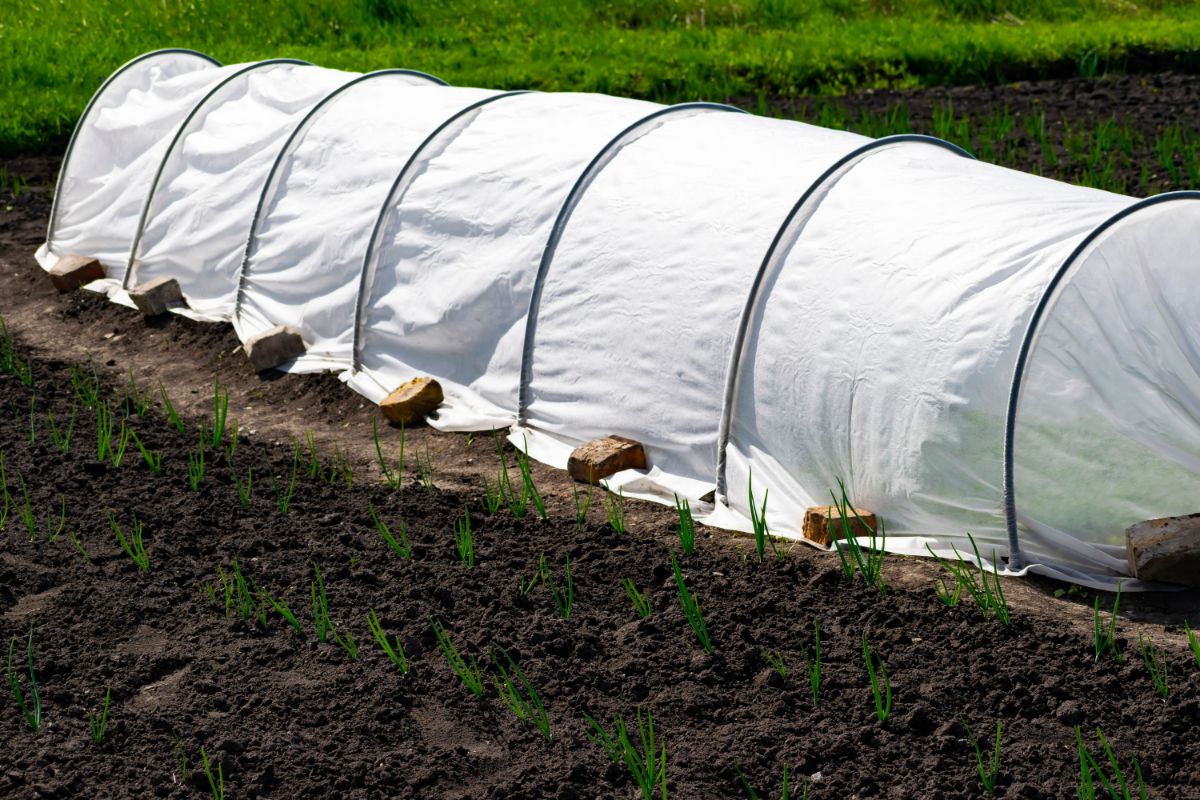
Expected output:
(581, 509)
(647, 763)
(136, 401)
(528, 487)
(868, 562)
(539, 576)
(393, 649)
(321, 620)
(987, 767)
(85, 387)
(614, 505)
(216, 785)
(220, 413)
(153, 460)
(30, 703)
(54, 531)
(1156, 664)
(758, 521)
(775, 661)
(98, 724)
(181, 759)
(641, 603)
(342, 469)
(425, 469)
(9, 361)
(110, 441)
(881, 685)
(283, 500)
(464, 540)
(492, 498)
(33, 420)
(1105, 639)
(282, 609)
(196, 465)
(244, 487)
(25, 510)
(691, 608)
(4, 491)
(1090, 772)
(133, 546)
(469, 674)
(1193, 641)
(518, 693)
(785, 792)
(988, 593)
(314, 461)
(169, 408)
(687, 525)
(516, 500)
(231, 448)
(566, 597)
(393, 477)
(399, 546)
(241, 595)
(78, 545)
(812, 665)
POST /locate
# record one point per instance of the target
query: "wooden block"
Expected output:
(823, 524)
(412, 401)
(71, 272)
(155, 297)
(274, 346)
(1166, 549)
(598, 459)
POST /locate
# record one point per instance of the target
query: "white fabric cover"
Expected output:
(198, 217)
(641, 302)
(459, 249)
(115, 152)
(304, 261)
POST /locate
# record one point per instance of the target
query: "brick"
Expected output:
(273, 347)
(598, 459)
(1166, 549)
(155, 297)
(71, 272)
(823, 524)
(412, 401)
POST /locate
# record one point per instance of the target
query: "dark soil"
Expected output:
(287, 716)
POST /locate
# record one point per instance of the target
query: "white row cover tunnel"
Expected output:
(766, 305)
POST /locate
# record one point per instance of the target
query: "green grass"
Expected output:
(54, 54)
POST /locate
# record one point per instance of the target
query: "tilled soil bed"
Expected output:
(285, 715)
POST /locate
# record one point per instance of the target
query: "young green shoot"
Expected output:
(758, 521)
(1193, 641)
(4, 491)
(538, 577)
(425, 469)
(393, 649)
(29, 701)
(282, 609)
(136, 401)
(881, 686)
(54, 531)
(492, 498)
(97, 724)
(314, 460)
(687, 525)
(195, 469)
(988, 593)
(775, 661)
(691, 608)
(342, 469)
(153, 460)
(464, 539)
(33, 419)
(812, 664)
(283, 500)
(25, 510)
(528, 487)
(134, 545)
(393, 477)
(216, 785)
(785, 792)
(169, 408)
(60, 437)
(78, 545)
(647, 763)
(399, 546)
(321, 620)
(518, 693)
(181, 758)
(1155, 660)
(1090, 772)
(614, 506)
(220, 413)
(1105, 639)
(868, 561)
(517, 501)
(244, 487)
(582, 508)
(640, 601)
(469, 674)
(988, 767)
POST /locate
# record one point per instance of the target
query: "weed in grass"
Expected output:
(775, 661)
(283, 500)
(641, 603)
(869, 562)
(881, 685)
(98, 723)
(30, 703)
(399, 546)
(1105, 639)
(133, 546)
(393, 477)
(169, 408)
(220, 413)
(647, 763)
(614, 505)
(987, 592)
(1156, 664)
(244, 487)
(464, 539)
(393, 649)
(812, 664)
(988, 768)
(62, 438)
(1193, 641)
(758, 520)
(518, 694)
(785, 792)
(425, 468)
(691, 608)
(1090, 772)
(581, 509)
(687, 526)
(195, 470)
(216, 785)
(469, 674)
(153, 460)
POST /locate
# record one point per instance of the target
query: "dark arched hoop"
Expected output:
(772, 261)
(62, 170)
(1016, 559)
(298, 133)
(451, 127)
(607, 153)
